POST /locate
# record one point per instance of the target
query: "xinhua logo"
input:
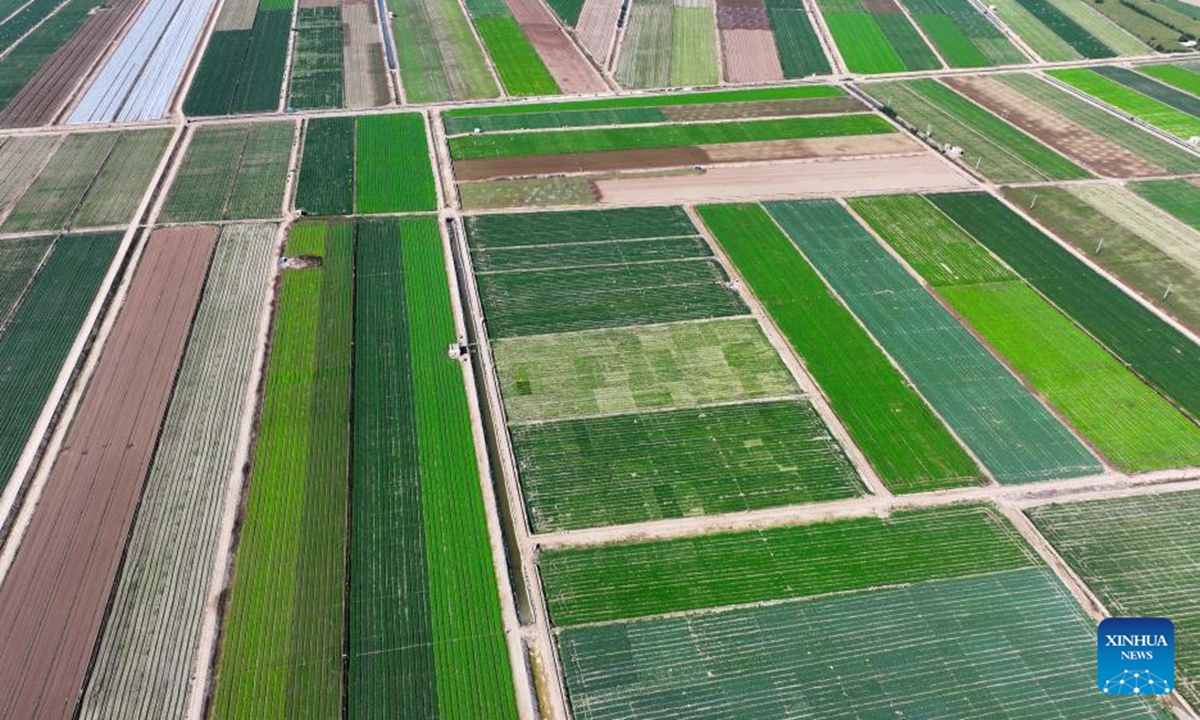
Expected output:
(1135, 656)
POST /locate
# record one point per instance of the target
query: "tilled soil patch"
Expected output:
(750, 56)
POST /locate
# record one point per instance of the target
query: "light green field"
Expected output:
(1178, 197)
(693, 46)
(1158, 114)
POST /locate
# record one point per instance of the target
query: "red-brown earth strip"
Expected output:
(51, 86)
(1058, 131)
(750, 56)
(568, 66)
(53, 599)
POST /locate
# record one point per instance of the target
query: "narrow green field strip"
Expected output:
(1164, 26)
(809, 658)
(1138, 263)
(317, 70)
(796, 42)
(520, 68)
(1080, 40)
(993, 147)
(1158, 227)
(678, 365)
(547, 228)
(909, 447)
(24, 59)
(326, 182)
(439, 57)
(1158, 114)
(1155, 149)
(564, 118)
(1177, 197)
(1134, 427)
(1036, 34)
(644, 55)
(501, 145)
(909, 45)
(242, 71)
(153, 628)
(282, 648)
(118, 189)
(611, 252)
(1152, 348)
(38, 336)
(1121, 548)
(1087, 17)
(205, 178)
(642, 579)
(19, 260)
(964, 37)
(544, 301)
(1152, 88)
(1178, 76)
(258, 189)
(1012, 434)
(392, 166)
(54, 196)
(862, 43)
(679, 463)
(693, 45)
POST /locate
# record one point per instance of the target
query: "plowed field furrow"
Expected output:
(146, 655)
(53, 599)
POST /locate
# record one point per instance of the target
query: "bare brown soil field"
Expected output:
(736, 183)
(1058, 131)
(832, 147)
(51, 86)
(53, 600)
(749, 56)
(568, 66)
(767, 108)
(531, 165)
(597, 27)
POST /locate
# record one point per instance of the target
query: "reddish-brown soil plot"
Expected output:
(571, 70)
(51, 86)
(765, 108)
(53, 600)
(1058, 131)
(749, 56)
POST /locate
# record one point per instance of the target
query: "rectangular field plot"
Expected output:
(924, 650)
(678, 365)
(1151, 347)
(678, 463)
(1139, 556)
(418, 531)
(1137, 95)
(517, 64)
(1060, 30)
(876, 37)
(991, 146)
(317, 79)
(647, 578)
(232, 172)
(1133, 426)
(1014, 436)
(963, 36)
(153, 627)
(1180, 198)
(242, 68)
(1183, 76)
(488, 233)
(909, 447)
(439, 57)
(1163, 26)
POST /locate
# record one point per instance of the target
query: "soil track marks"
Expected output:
(52, 602)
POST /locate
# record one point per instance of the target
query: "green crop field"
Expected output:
(1041, 38)
(963, 36)
(1177, 197)
(418, 532)
(501, 145)
(39, 333)
(1135, 260)
(521, 70)
(317, 71)
(282, 649)
(644, 55)
(993, 147)
(21, 158)
(526, 193)
(1162, 28)
(861, 42)
(678, 463)
(439, 57)
(1123, 418)
(693, 45)
(1152, 88)
(611, 582)
(1132, 554)
(1155, 149)
(587, 254)
(62, 184)
(677, 365)
(1161, 229)
(904, 441)
(1012, 434)
(393, 170)
(1184, 77)
(117, 191)
(242, 70)
(1148, 109)
(1151, 347)
(326, 179)
(19, 261)
(796, 42)
(488, 232)
(25, 58)
(1059, 21)
(232, 172)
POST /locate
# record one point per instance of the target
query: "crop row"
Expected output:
(876, 37)
(317, 77)
(963, 36)
(1131, 100)
(1180, 198)
(1161, 26)
(242, 70)
(1184, 76)
(439, 57)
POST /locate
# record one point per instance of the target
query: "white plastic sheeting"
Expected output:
(137, 81)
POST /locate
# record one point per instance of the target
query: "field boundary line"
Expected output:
(537, 624)
(921, 32)
(837, 65)
(285, 89)
(184, 85)
(932, 291)
(795, 365)
(25, 485)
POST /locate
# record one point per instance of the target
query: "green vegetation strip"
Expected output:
(60, 187)
(499, 145)
(419, 529)
(1152, 88)
(1180, 76)
(576, 226)
(677, 365)
(393, 170)
(1138, 555)
(439, 57)
(40, 332)
(232, 172)
(326, 182)
(1154, 112)
(117, 191)
(19, 261)
(904, 441)
(963, 36)
(923, 650)
(1126, 421)
(604, 583)
(1080, 40)
(521, 70)
(993, 147)
(282, 649)
(1151, 347)
(1178, 197)
(23, 60)
(589, 254)
(796, 42)
(317, 69)
(242, 70)
(679, 463)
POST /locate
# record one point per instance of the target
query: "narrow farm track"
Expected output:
(54, 596)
